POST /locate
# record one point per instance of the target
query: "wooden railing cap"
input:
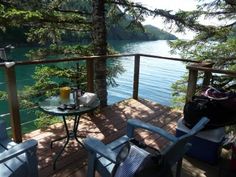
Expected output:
(203, 67)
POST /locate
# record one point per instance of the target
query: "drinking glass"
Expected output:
(65, 94)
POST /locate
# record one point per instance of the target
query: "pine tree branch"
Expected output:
(73, 11)
(177, 18)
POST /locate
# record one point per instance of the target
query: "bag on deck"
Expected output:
(136, 159)
(218, 106)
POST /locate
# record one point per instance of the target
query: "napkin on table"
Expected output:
(87, 98)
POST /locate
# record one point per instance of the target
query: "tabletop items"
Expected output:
(63, 107)
(73, 98)
(87, 98)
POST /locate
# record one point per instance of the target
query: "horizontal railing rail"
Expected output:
(12, 90)
(45, 61)
(212, 70)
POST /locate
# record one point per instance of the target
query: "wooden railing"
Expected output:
(208, 71)
(12, 89)
(13, 103)
(136, 76)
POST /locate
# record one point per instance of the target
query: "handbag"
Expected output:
(218, 106)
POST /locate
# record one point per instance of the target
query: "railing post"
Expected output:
(90, 75)
(136, 76)
(207, 75)
(13, 103)
(192, 83)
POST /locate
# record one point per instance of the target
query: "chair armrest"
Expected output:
(135, 123)
(96, 146)
(17, 150)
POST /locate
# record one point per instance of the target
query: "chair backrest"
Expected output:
(176, 151)
(17, 159)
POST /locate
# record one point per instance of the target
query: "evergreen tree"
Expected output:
(212, 43)
(100, 48)
(215, 43)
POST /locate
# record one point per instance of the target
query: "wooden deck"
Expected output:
(107, 124)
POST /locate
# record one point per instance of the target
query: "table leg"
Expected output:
(75, 129)
(76, 124)
(72, 134)
(63, 148)
(59, 139)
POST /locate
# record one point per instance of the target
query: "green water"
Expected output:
(156, 76)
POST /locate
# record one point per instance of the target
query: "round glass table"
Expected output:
(54, 106)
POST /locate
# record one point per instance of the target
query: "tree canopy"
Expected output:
(48, 20)
(213, 42)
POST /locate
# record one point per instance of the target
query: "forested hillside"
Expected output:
(16, 36)
(149, 33)
(119, 27)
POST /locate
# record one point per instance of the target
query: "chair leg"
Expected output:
(179, 168)
(91, 164)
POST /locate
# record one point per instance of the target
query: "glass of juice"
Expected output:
(65, 94)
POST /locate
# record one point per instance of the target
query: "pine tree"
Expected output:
(212, 43)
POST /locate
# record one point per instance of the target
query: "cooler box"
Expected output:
(206, 145)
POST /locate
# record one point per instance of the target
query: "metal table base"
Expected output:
(70, 134)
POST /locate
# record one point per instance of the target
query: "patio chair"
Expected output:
(17, 160)
(102, 157)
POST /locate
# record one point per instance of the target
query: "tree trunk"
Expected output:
(100, 48)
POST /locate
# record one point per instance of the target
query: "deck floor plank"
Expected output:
(106, 124)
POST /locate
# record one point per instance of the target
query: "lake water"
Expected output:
(156, 75)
